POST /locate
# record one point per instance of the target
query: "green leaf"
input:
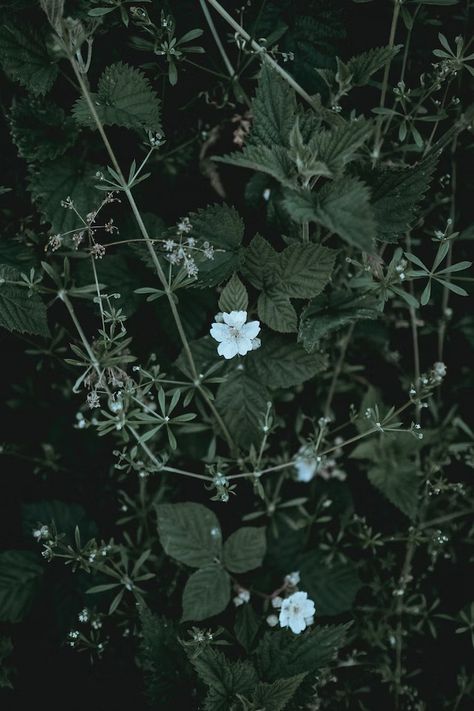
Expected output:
(6, 648)
(332, 587)
(125, 98)
(276, 696)
(225, 679)
(247, 624)
(336, 147)
(274, 161)
(364, 65)
(242, 403)
(40, 129)
(244, 549)
(281, 654)
(342, 206)
(281, 363)
(18, 311)
(276, 310)
(20, 574)
(223, 228)
(260, 262)
(25, 59)
(305, 269)
(55, 181)
(234, 296)
(396, 195)
(189, 533)
(207, 593)
(64, 515)
(329, 312)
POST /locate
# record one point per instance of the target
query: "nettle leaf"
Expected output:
(342, 206)
(329, 312)
(393, 470)
(223, 228)
(25, 59)
(281, 363)
(125, 98)
(274, 161)
(362, 66)
(244, 549)
(18, 310)
(55, 181)
(396, 195)
(20, 575)
(40, 129)
(189, 533)
(336, 147)
(332, 587)
(206, 593)
(281, 654)
(234, 296)
(275, 309)
(276, 696)
(242, 403)
(226, 680)
(260, 262)
(305, 269)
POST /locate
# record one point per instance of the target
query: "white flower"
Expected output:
(306, 464)
(242, 597)
(297, 612)
(234, 335)
(272, 620)
(276, 602)
(293, 579)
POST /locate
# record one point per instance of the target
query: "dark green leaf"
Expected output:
(281, 363)
(244, 549)
(276, 696)
(25, 59)
(207, 593)
(20, 574)
(332, 587)
(189, 533)
(234, 296)
(242, 402)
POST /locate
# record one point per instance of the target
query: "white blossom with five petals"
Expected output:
(297, 612)
(234, 335)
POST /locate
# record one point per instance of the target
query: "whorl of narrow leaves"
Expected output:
(125, 98)
(25, 59)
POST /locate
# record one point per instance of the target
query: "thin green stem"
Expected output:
(383, 94)
(217, 39)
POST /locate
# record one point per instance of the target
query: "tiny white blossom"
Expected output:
(276, 602)
(306, 464)
(235, 336)
(272, 620)
(242, 597)
(293, 578)
(297, 612)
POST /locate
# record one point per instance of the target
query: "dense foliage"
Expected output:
(237, 338)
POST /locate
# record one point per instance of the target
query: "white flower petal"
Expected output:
(250, 329)
(297, 624)
(235, 319)
(256, 343)
(244, 345)
(305, 469)
(228, 348)
(220, 332)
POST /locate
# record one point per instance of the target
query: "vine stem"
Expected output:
(217, 39)
(261, 50)
(383, 94)
(159, 270)
(338, 369)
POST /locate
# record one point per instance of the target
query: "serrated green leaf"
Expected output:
(305, 269)
(275, 309)
(242, 402)
(244, 549)
(336, 147)
(125, 98)
(281, 363)
(342, 206)
(234, 296)
(206, 593)
(223, 228)
(396, 194)
(364, 65)
(25, 59)
(55, 181)
(332, 587)
(247, 624)
(282, 654)
(276, 696)
(20, 574)
(40, 129)
(224, 679)
(260, 262)
(189, 533)
(20, 312)
(327, 313)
